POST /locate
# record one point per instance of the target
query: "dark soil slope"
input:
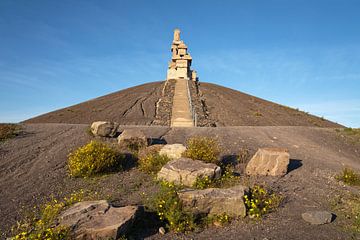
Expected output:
(222, 106)
(33, 168)
(132, 106)
(228, 107)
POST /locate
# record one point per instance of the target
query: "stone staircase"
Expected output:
(181, 110)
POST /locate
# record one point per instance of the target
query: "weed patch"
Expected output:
(349, 177)
(42, 225)
(94, 158)
(203, 148)
(167, 205)
(152, 161)
(260, 201)
(228, 179)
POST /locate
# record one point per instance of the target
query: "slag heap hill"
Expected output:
(203, 104)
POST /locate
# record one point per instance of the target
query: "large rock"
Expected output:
(185, 171)
(215, 201)
(317, 217)
(98, 220)
(269, 161)
(173, 151)
(130, 136)
(104, 129)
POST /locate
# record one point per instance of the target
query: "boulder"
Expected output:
(104, 129)
(215, 201)
(269, 161)
(185, 171)
(317, 217)
(98, 220)
(129, 136)
(173, 151)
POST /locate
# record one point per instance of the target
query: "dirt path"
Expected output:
(33, 167)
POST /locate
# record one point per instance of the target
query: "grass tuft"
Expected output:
(349, 177)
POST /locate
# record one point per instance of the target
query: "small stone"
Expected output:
(173, 151)
(317, 217)
(269, 162)
(162, 231)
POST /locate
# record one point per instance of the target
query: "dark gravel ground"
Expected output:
(33, 167)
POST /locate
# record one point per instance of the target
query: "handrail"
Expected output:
(193, 112)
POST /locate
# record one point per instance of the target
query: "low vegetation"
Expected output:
(347, 207)
(228, 179)
(167, 205)
(260, 201)
(135, 144)
(353, 134)
(8, 130)
(94, 158)
(40, 224)
(203, 148)
(349, 177)
(244, 155)
(152, 162)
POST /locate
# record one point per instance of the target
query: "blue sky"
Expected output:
(304, 54)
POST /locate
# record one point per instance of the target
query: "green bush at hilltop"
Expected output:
(94, 158)
(202, 148)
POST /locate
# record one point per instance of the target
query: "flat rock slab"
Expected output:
(185, 171)
(173, 151)
(104, 129)
(129, 135)
(98, 220)
(215, 201)
(317, 217)
(269, 162)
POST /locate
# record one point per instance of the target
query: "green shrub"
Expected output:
(259, 201)
(152, 162)
(349, 177)
(228, 179)
(43, 226)
(8, 130)
(203, 148)
(167, 205)
(94, 158)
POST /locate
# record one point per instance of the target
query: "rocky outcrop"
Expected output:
(129, 136)
(164, 104)
(98, 220)
(215, 201)
(185, 171)
(104, 129)
(173, 151)
(269, 161)
(317, 217)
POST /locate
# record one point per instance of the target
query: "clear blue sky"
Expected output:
(300, 53)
